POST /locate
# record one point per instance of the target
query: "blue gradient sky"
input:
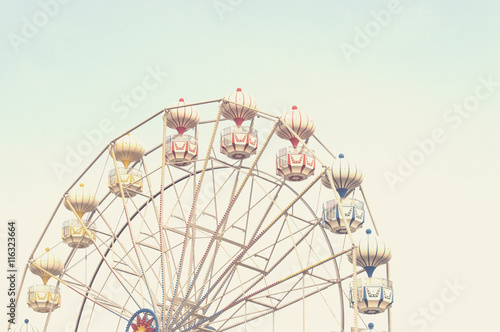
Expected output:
(440, 220)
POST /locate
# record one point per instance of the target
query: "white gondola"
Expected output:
(43, 298)
(82, 201)
(238, 142)
(75, 236)
(353, 211)
(127, 150)
(295, 164)
(181, 149)
(131, 180)
(375, 295)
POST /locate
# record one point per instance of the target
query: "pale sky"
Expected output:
(372, 94)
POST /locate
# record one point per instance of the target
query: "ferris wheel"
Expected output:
(211, 226)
